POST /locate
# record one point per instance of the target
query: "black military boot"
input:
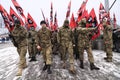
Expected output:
(81, 64)
(45, 67)
(33, 59)
(49, 70)
(108, 59)
(93, 67)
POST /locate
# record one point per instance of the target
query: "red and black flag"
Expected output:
(82, 7)
(55, 22)
(14, 16)
(51, 16)
(92, 21)
(68, 10)
(102, 13)
(72, 22)
(31, 21)
(84, 15)
(114, 19)
(7, 19)
(19, 8)
(47, 23)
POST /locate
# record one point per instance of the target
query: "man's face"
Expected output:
(17, 25)
(43, 25)
(32, 28)
(66, 24)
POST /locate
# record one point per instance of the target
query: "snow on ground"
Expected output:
(9, 61)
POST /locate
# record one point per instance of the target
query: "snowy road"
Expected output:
(9, 60)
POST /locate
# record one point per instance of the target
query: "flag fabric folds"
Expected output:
(18, 8)
(30, 21)
(14, 16)
(51, 16)
(68, 10)
(7, 19)
(72, 22)
(92, 21)
(102, 13)
(55, 22)
(82, 7)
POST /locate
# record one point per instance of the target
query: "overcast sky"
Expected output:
(34, 8)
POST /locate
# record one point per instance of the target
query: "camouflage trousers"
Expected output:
(67, 48)
(108, 50)
(89, 52)
(55, 49)
(22, 56)
(47, 55)
(32, 50)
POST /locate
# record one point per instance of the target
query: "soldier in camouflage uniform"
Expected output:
(75, 48)
(65, 38)
(32, 43)
(44, 43)
(19, 39)
(84, 43)
(54, 42)
(107, 38)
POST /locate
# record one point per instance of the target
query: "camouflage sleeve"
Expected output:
(109, 28)
(15, 34)
(58, 36)
(80, 23)
(72, 36)
(38, 38)
(83, 30)
(23, 33)
(28, 34)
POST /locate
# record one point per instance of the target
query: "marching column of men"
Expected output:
(64, 40)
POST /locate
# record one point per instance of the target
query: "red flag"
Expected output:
(114, 19)
(51, 16)
(97, 34)
(31, 21)
(14, 16)
(92, 19)
(85, 14)
(47, 22)
(82, 7)
(102, 13)
(7, 19)
(19, 8)
(72, 22)
(68, 11)
(55, 22)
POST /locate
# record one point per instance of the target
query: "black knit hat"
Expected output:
(42, 22)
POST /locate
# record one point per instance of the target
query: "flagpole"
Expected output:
(112, 5)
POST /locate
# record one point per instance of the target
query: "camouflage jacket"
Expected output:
(44, 37)
(84, 38)
(107, 34)
(20, 36)
(65, 35)
(32, 36)
(54, 38)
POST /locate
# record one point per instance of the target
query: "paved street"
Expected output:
(9, 61)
